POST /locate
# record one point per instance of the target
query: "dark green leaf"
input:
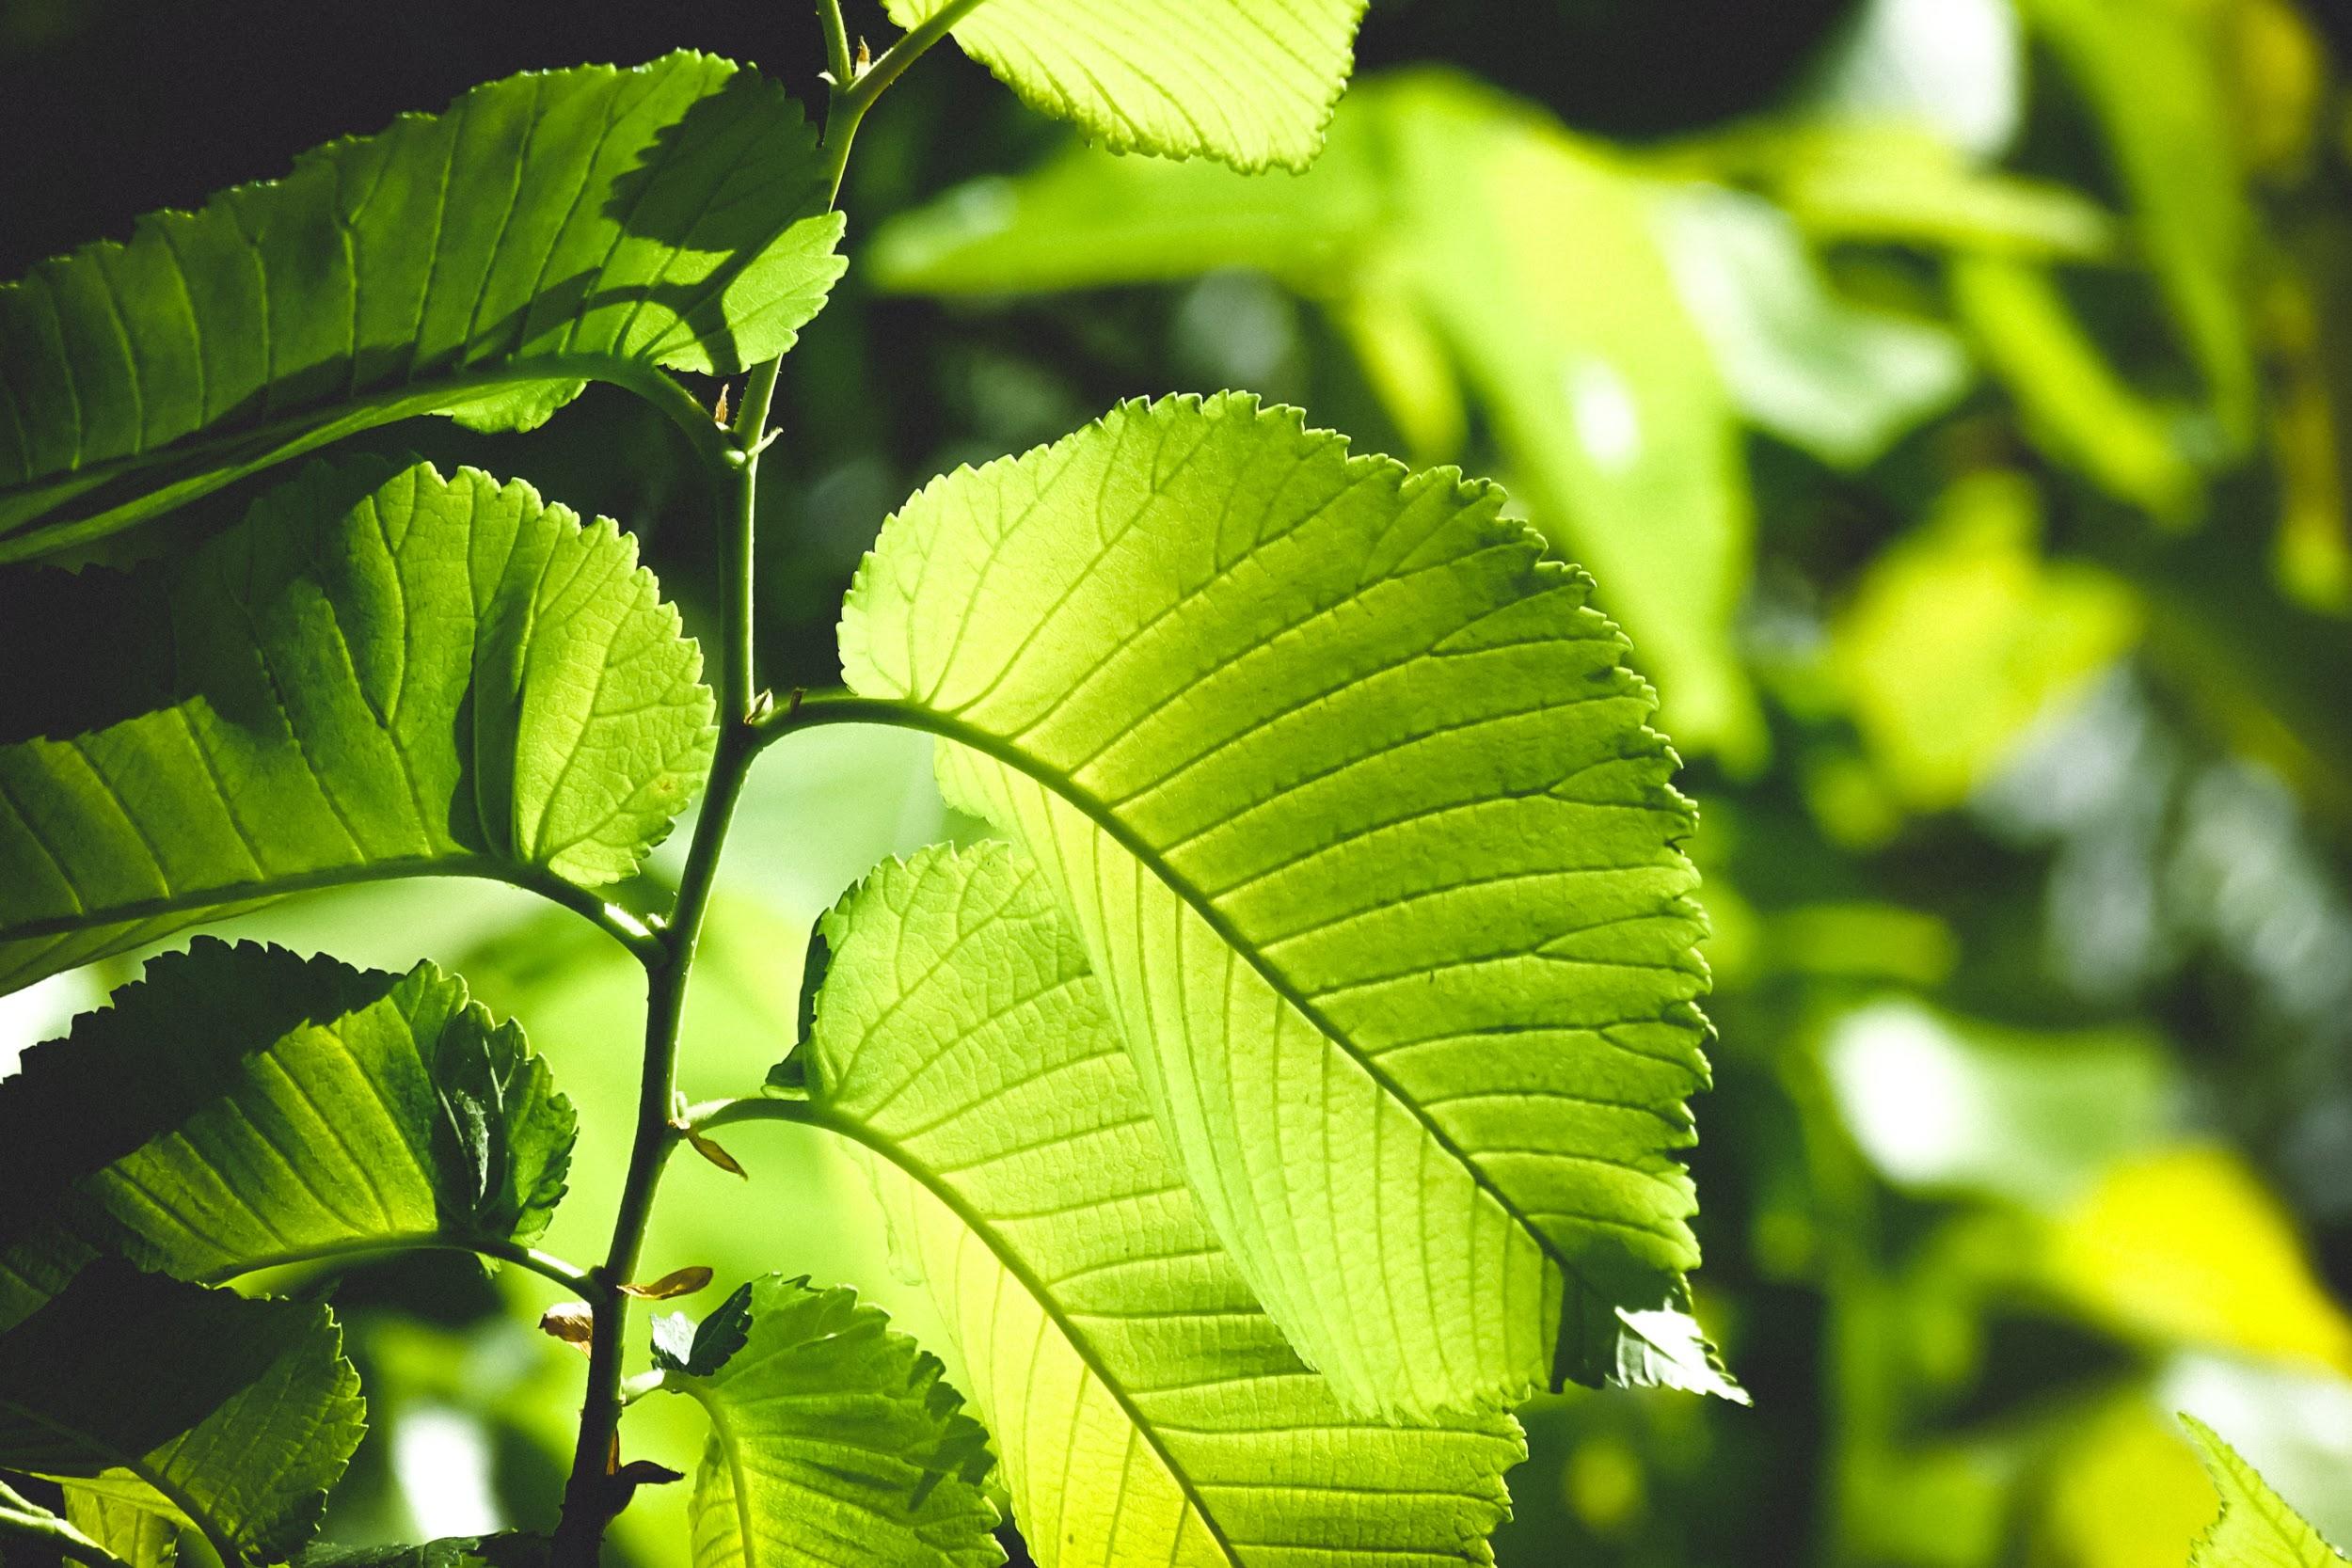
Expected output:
(548, 230)
(681, 1344)
(380, 672)
(242, 1105)
(235, 1414)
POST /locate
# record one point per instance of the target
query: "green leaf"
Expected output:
(381, 673)
(1146, 1408)
(681, 1344)
(511, 1550)
(1487, 241)
(1355, 802)
(548, 230)
(139, 1536)
(833, 1441)
(242, 1106)
(2257, 1529)
(1249, 83)
(2154, 75)
(234, 1415)
(1841, 380)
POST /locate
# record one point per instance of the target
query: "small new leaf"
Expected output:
(570, 1322)
(700, 1349)
(828, 1428)
(677, 1282)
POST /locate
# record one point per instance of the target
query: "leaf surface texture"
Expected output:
(1354, 800)
(1244, 81)
(2257, 1529)
(380, 672)
(834, 1442)
(242, 1104)
(1146, 1408)
(545, 230)
(235, 1414)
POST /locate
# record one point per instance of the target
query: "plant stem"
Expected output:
(590, 1498)
(855, 91)
(28, 1521)
(839, 65)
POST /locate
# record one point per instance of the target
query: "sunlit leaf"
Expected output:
(1146, 1408)
(1475, 222)
(234, 1415)
(1355, 801)
(242, 1105)
(1249, 83)
(546, 231)
(2257, 1529)
(833, 1440)
(381, 673)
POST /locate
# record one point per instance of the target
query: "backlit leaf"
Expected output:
(1246, 83)
(2257, 1529)
(548, 230)
(380, 672)
(242, 1105)
(1146, 1408)
(833, 1440)
(1355, 802)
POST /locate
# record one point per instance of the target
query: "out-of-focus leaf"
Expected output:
(2151, 72)
(1528, 253)
(1898, 185)
(380, 672)
(2072, 401)
(2186, 1247)
(484, 1551)
(1337, 735)
(1839, 379)
(241, 1106)
(1963, 634)
(2257, 1529)
(2124, 1489)
(1248, 83)
(1942, 1104)
(1955, 68)
(548, 230)
(233, 1414)
(1148, 1410)
(833, 1440)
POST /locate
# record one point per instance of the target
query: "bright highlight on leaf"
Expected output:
(1246, 83)
(1146, 1408)
(1355, 802)
(380, 672)
(833, 1440)
(546, 231)
(232, 1414)
(2257, 1529)
(242, 1106)
(486, 1551)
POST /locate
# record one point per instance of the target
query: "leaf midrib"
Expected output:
(291, 435)
(817, 1116)
(907, 714)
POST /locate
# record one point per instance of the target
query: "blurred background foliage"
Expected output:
(1953, 399)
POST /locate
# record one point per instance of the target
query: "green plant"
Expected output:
(1297, 1086)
